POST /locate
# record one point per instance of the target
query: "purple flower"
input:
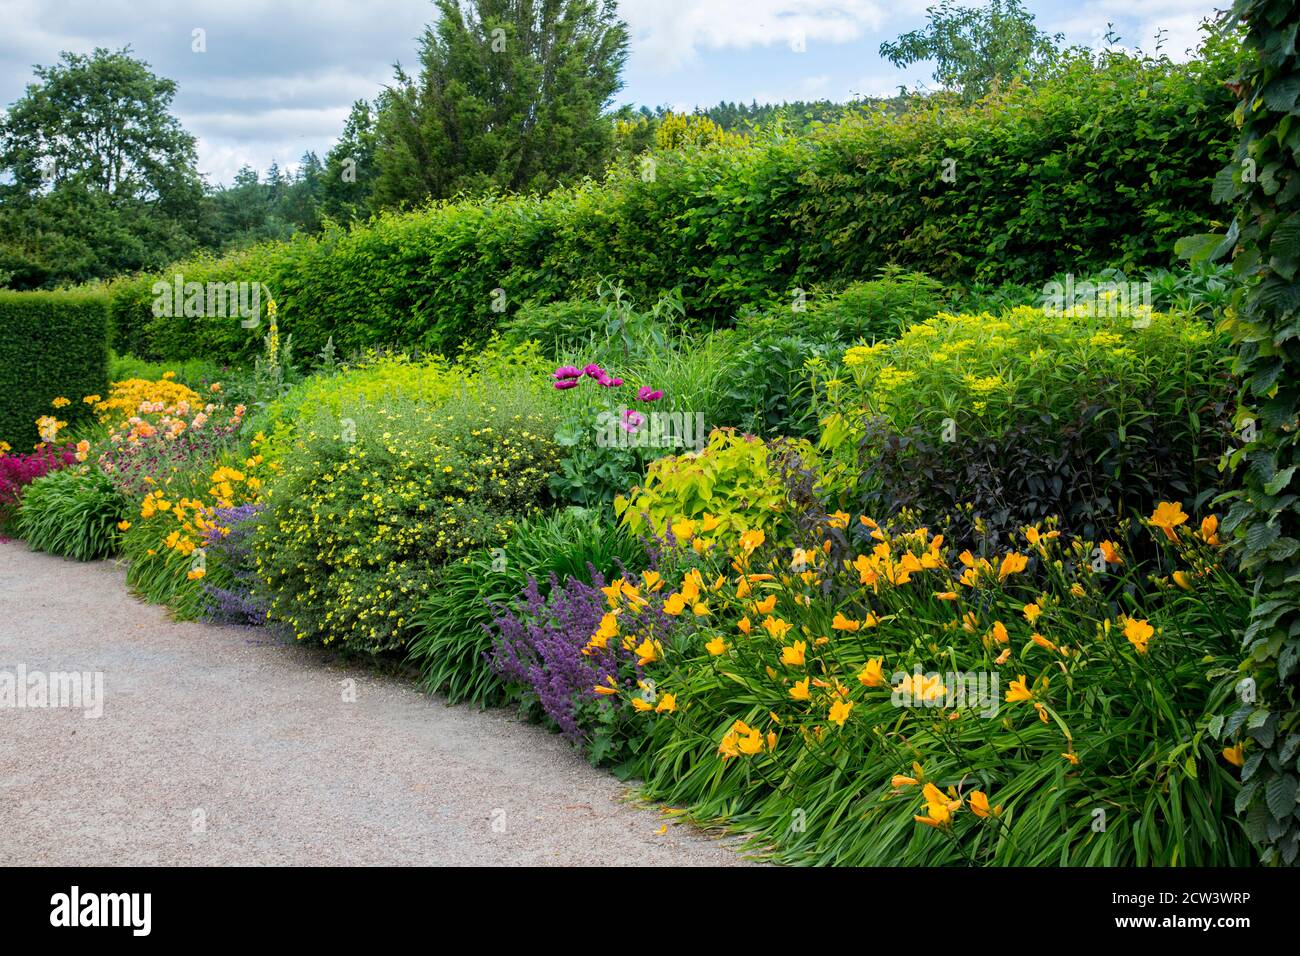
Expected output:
(568, 371)
(567, 383)
(632, 421)
(594, 371)
(647, 394)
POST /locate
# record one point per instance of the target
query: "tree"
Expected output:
(975, 49)
(103, 177)
(348, 181)
(511, 95)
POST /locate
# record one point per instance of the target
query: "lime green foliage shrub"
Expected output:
(712, 496)
(72, 513)
(378, 378)
(1100, 164)
(364, 510)
(451, 644)
(52, 345)
(1032, 413)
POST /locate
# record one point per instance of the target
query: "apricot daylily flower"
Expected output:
(794, 656)
(1003, 657)
(840, 712)
(800, 690)
(1013, 563)
(900, 780)
(716, 646)
(646, 653)
(978, 802)
(674, 605)
(1210, 529)
(767, 605)
(1019, 691)
(667, 704)
(776, 627)
(607, 688)
(872, 674)
(1032, 612)
(842, 623)
(1110, 552)
(1000, 632)
(1168, 516)
(1138, 633)
(1182, 580)
(743, 625)
(1042, 641)
(641, 704)
(752, 539)
(1236, 754)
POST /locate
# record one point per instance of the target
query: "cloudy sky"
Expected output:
(278, 76)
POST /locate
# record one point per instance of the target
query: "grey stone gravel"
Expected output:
(218, 746)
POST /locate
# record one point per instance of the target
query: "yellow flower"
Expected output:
(767, 605)
(683, 530)
(674, 605)
(840, 712)
(667, 704)
(1138, 633)
(1110, 552)
(1000, 632)
(652, 581)
(1042, 641)
(123, 525)
(978, 802)
(900, 780)
(743, 625)
(641, 704)
(195, 574)
(776, 627)
(842, 623)
(872, 674)
(752, 539)
(1032, 611)
(1019, 691)
(800, 690)
(1236, 754)
(701, 609)
(716, 646)
(1003, 657)
(1210, 529)
(1182, 579)
(1168, 516)
(646, 653)
(1073, 758)
(794, 656)
(61, 402)
(1013, 563)
(607, 688)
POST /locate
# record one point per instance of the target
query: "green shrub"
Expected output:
(72, 513)
(1102, 164)
(363, 511)
(1031, 414)
(450, 643)
(52, 345)
(197, 374)
(558, 327)
(713, 496)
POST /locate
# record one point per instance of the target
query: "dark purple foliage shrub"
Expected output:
(228, 546)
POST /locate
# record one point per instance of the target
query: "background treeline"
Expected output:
(1103, 163)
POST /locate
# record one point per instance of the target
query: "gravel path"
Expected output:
(218, 746)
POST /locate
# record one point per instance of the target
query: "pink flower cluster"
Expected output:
(570, 376)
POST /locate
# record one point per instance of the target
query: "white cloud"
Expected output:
(671, 32)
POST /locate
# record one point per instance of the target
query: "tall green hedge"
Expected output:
(52, 344)
(1103, 164)
(1264, 178)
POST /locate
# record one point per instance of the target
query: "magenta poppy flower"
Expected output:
(594, 371)
(647, 394)
(568, 371)
(632, 421)
(567, 383)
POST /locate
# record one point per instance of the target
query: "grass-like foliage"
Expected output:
(72, 513)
